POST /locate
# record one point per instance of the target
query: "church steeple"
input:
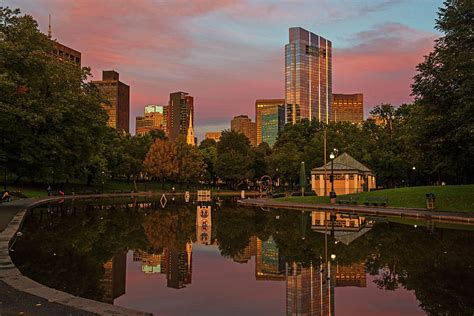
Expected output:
(190, 133)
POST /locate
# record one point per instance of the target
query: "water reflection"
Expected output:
(82, 248)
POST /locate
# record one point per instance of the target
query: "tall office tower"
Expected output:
(118, 95)
(308, 77)
(310, 290)
(348, 108)
(269, 119)
(179, 112)
(243, 124)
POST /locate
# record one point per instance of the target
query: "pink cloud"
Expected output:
(381, 64)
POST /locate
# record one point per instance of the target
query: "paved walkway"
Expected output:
(417, 213)
(20, 295)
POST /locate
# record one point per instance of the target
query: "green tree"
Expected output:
(50, 118)
(233, 158)
(160, 161)
(444, 89)
(208, 149)
(190, 163)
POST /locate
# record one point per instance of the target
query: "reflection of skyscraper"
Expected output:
(353, 275)
(113, 281)
(269, 264)
(309, 291)
(178, 267)
(151, 262)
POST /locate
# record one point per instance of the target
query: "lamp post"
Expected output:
(103, 175)
(332, 194)
(414, 175)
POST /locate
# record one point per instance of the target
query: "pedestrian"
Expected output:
(6, 196)
(50, 190)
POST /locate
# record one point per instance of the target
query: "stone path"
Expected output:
(416, 213)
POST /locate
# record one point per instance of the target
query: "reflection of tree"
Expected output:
(171, 228)
(235, 227)
(66, 250)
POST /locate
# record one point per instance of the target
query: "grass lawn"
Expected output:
(448, 198)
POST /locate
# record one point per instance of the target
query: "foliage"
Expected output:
(160, 160)
(444, 89)
(234, 158)
(50, 117)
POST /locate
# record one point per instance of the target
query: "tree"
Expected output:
(190, 163)
(443, 89)
(208, 149)
(51, 121)
(233, 158)
(160, 161)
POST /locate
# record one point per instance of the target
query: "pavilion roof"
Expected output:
(345, 162)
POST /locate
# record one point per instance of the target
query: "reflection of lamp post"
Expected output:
(103, 175)
(332, 194)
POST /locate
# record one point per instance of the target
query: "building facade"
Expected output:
(118, 95)
(348, 108)
(213, 135)
(308, 76)
(243, 124)
(269, 120)
(64, 53)
(179, 112)
(153, 120)
(350, 176)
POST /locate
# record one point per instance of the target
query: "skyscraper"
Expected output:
(118, 95)
(243, 124)
(348, 108)
(269, 119)
(178, 114)
(308, 76)
(269, 263)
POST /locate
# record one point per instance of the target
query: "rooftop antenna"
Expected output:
(49, 27)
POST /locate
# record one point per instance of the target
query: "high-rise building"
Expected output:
(118, 95)
(308, 76)
(178, 115)
(213, 135)
(269, 119)
(310, 290)
(153, 120)
(348, 108)
(243, 124)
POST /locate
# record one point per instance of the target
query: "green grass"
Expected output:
(448, 198)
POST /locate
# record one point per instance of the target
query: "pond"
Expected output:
(218, 258)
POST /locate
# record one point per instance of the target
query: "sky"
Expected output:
(228, 53)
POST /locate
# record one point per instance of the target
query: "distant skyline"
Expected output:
(228, 53)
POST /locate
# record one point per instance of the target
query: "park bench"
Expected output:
(347, 200)
(382, 201)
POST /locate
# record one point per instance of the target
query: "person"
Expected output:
(50, 190)
(6, 196)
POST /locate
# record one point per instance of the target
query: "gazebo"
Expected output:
(350, 176)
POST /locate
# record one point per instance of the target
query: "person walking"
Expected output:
(50, 190)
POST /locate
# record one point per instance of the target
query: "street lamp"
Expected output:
(332, 194)
(103, 175)
(414, 175)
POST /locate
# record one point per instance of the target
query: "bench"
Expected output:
(347, 200)
(382, 201)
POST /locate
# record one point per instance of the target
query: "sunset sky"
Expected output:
(227, 53)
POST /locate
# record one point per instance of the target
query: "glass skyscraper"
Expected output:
(308, 76)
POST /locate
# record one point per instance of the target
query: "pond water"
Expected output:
(217, 258)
